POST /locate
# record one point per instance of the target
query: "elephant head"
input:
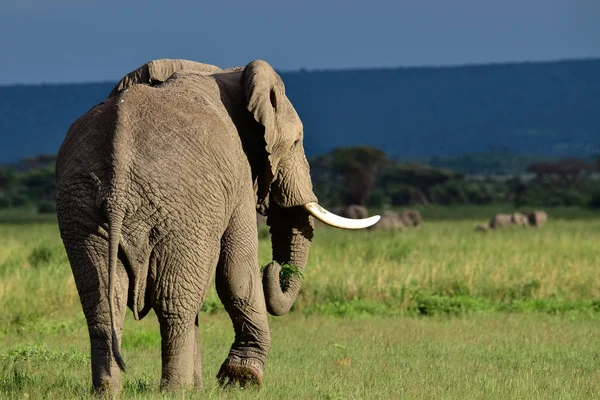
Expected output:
(283, 187)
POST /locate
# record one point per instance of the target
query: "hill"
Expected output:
(546, 109)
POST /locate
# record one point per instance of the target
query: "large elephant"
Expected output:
(157, 191)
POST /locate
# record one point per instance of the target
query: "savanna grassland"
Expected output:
(439, 312)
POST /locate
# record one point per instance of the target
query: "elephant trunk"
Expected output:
(291, 235)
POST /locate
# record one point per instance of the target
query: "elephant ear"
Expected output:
(264, 90)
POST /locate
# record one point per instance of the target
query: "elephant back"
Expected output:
(158, 71)
(537, 218)
(355, 211)
(520, 219)
(411, 218)
(390, 220)
(500, 221)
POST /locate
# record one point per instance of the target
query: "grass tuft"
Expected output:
(288, 272)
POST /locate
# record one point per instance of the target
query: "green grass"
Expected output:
(24, 215)
(487, 357)
(440, 312)
(557, 263)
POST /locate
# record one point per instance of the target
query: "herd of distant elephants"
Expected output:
(390, 220)
(519, 219)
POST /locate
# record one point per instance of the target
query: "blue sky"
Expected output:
(100, 40)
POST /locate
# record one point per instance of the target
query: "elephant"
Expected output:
(411, 218)
(353, 211)
(390, 220)
(501, 221)
(481, 228)
(537, 218)
(519, 219)
(157, 190)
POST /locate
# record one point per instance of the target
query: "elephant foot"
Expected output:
(240, 371)
(107, 392)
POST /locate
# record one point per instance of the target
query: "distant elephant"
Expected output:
(411, 218)
(353, 211)
(157, 189)
(390, 220)
(501, 221)
(480, 228)
(519, 219)
(537, 218)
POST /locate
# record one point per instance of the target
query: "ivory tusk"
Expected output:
(335, 220)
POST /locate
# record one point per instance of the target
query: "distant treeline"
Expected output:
(29, 183)
(367, 176)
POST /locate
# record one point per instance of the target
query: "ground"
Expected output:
(441, 312)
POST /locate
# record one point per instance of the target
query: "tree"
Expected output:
(8, 177)
(516, 190)
(40, 183)
(357, 167)
(596, 163)
(412, 183)
(37, 162)
(564, 174)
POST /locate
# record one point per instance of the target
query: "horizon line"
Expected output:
(303, 70)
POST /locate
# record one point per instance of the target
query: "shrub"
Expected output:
(39, 256)
(46, 207)
(4, 201)
(595, 201)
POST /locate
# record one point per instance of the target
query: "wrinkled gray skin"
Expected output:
(157, 192)
(353, 211)
(411, 218)
(390, 220)
(537, 218)
(501, 221)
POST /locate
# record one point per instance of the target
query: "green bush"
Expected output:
(40, 256)
(46, 207)
(19, 200)
(4, 201)
(595, 201)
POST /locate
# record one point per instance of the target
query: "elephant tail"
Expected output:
(115, 224)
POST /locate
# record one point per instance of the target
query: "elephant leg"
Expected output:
(182, 283)
(239, 287)
(179, 348)
(186, 264)
(198, 381)
(88, 256)
(105, 372)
